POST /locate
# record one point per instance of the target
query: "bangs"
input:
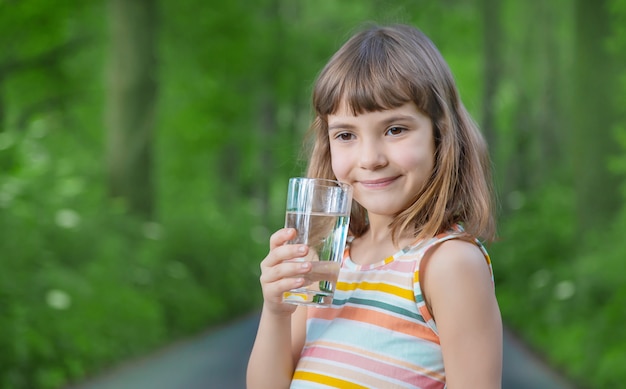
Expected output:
(370, 76)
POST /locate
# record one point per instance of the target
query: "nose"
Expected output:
(372, 155)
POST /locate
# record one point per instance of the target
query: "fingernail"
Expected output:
(305, 265)
(301, 249)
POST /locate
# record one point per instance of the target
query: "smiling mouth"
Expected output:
(380, 183)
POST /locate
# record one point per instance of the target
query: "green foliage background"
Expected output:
(86, 283)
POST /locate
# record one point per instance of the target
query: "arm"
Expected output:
(280, 335)
(458, 287)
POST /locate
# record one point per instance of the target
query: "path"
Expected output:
(217, 360)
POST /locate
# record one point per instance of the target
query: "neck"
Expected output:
(379, 232)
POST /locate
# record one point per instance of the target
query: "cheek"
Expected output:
(421, 161)
(339, 164)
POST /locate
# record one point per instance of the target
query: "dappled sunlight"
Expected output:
(564, 290)
(67, 218)
(152, 230)
(58, 299)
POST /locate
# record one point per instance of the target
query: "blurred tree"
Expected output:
(529, 106)
(594, 112)
(33, 81)
(492, 31)
(131, 100)
(551, 70)
(268, 103)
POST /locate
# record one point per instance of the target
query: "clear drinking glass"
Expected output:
(319, 210)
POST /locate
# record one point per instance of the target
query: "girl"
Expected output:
(415, 305)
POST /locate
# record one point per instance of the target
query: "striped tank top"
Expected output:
(378, 332)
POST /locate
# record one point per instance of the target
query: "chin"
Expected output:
(376, 209)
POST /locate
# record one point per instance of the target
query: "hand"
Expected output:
(278, 276)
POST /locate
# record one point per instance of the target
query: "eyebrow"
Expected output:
(385, 122)
(338, 126)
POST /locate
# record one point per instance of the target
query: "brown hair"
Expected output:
(385, 67)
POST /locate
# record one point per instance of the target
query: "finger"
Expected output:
(281, 237)
(284, 270)
(283, 253)
(274, 291)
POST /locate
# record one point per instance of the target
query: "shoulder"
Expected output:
(456, 272)
(457, 258)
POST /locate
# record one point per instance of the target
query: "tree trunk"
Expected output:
(268, 107)
(594, 113)
(492, 35)
(2, 106)
(131, 100)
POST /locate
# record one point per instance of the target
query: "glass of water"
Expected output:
(319, 210)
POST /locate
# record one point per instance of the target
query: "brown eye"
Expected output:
(344, 136)
(395, 130)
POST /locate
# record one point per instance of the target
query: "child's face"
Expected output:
(387, 156)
